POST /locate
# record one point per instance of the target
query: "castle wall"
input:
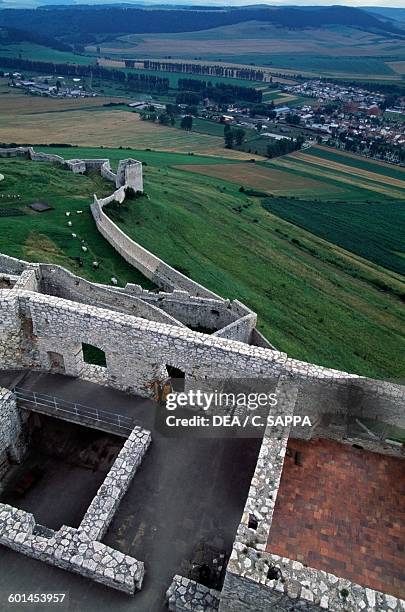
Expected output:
(101, 511)
(143, 260)
(61, 283)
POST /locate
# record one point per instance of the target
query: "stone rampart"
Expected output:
(143, 260)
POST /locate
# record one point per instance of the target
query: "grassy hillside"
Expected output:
(310, 295)
(314, 300)
(46, 237)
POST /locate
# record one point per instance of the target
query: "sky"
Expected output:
(353, 3)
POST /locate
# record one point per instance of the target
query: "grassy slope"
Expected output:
(314, 300)
(46, 236)
(310, 296)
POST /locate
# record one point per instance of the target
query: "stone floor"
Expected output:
(342, 510)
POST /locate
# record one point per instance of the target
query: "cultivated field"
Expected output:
(319, 173)
(27, 119)
(334, 51)
(372, 178)
(269, 180)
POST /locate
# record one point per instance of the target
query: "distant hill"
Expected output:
(396, 14)
(66, 22)
(13, 35)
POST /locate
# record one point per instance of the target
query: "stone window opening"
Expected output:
(94, 355)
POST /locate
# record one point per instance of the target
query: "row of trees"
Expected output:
(137, 82)
(250, 74)
(284, 146)
(222, 93)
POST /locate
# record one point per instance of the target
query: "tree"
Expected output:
(239, 136)
(293, 119)
(228, 137)
(164, 119)
(187, 122)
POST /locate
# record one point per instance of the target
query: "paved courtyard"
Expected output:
(186, 492)
(342, 509)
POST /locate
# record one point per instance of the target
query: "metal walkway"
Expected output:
(74, 412)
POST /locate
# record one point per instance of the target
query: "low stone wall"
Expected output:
(11, 434)
(71, 550)
(103, 507)
(61, 283)
(185, 595)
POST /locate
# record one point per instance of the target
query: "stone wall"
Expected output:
(12, 439)
(193, 311)
(258, 580)
(152, 267)
(61, 283)
(240, 330)
(185, 595)
(69, 549)
(103, 507)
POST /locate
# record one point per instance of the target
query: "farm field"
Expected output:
(15, 103)
(319, 173)
(87, 122)
(32, 51)
(333, 51)
(46, 236)
(309, 293)
(373, 178)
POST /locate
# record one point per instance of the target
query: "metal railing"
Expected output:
(58, 407)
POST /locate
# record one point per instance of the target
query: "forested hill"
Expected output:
(84, 20)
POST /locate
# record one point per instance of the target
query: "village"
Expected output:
(50, 86)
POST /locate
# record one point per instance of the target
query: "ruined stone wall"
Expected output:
(61, 283)
(11, 435)
(185, 595)
(238, 330)
(70, 550)
(103, 507)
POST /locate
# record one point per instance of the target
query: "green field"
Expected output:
(372, 230)
(310, 295)
(32, 51)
